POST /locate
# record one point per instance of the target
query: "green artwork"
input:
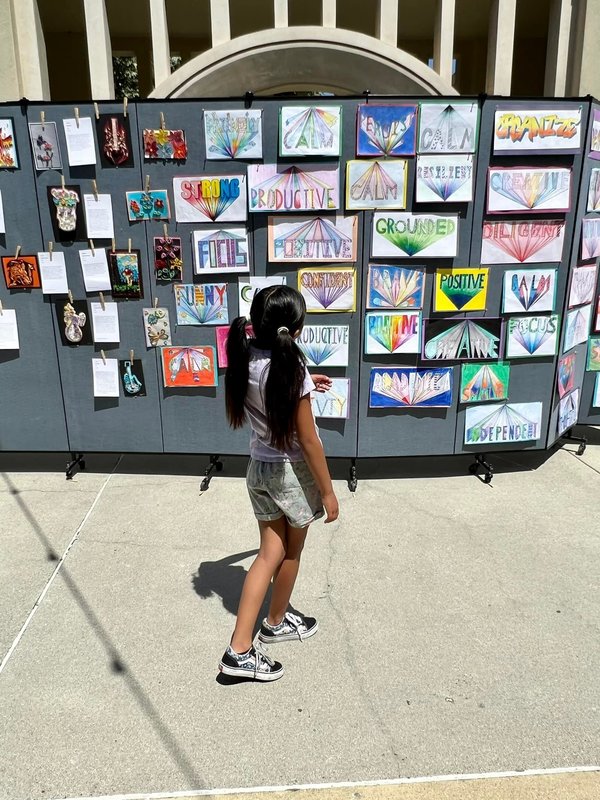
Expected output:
(481, 382)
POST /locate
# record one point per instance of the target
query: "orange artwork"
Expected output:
(193, 366)
(21, 272)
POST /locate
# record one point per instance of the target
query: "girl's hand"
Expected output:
(330, 502)
(322, 382)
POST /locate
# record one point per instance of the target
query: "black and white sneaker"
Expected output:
(254, 664)
(291, 628)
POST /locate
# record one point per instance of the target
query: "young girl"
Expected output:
(267, 383)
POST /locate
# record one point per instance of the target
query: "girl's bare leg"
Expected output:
(286, 573)
(270, 555)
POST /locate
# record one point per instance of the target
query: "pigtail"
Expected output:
(236, 375)
(283, 388)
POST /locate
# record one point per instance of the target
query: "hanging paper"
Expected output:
(201, 303)
(233, 134)
(528, 189)
(444, 179)
(583, 285)
(393, 332)
(105, 373)
(466, 340)
(532, 337)
(376, 184)
(247, 288)
(312, 239)
(410, 387)
(309, 130)
(167, 258)
(404, 235)
(565, 376)
(448, 127)
(460, 289)
(596, 398)
(8, 145)
(94, 267)
(530, 290)
(114, 140)
(9, 332)
(503, 423)
(273, 187)
(386, 130)
(595, 138)
(132, 378)
(44, 143)
(99, 216)
(577, 326)
(73, 322)
(593, 355)
(536, 128)
(193, 367)
(165, 144)
(221, 334)
(590, 239)
(324, 345)
(2, 223)
(81, 148)
(568, 411)
(334, 403)
(105, 322)
(394, 287)
(328, 289)
(53, 273)
(480, 383)
(21, 272)
(522, 241)
(210, 198)
(223, 249)
(157, 327)
(66, 213)
(125, 269)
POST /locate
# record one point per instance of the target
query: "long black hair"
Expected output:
(277, 314)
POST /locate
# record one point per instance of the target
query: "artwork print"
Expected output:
(125, 270)
(8, 145)
(410, 387)
(480, 383)
(66, 213)
(221, 334)
(248, 287)
(530, 290)
(404, 235)
(448, 127)
(21, 272)
(334, 403)
(73, 322)
(309, 130)
(157, 327)
(568, 411)
(315, 239)
(189, 367)
(393, 332)
(325, 345)
(201, 303)
(44, 144)
(522, 241)
(221, 250)
(114, 140)
(328, 289)
(503, 423)
(151, 205)
(577, 326)
(389, 286)
(235, 133)
(532, 337)
(593, 355)
(590, 239)
(595, 137)
(386, 130)
(565, 376)
(132, 378)
(277, 188)
(460, 289)
(583, 285)
(210, 198)
(593, 201)
(528, 189)
(596, 397)
(164, 144)
(597, 322)
(168, 263)
(466, 339)
(536, 129)
(444, 179)
(376, 184)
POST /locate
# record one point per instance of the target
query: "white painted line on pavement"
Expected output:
(11, 650)
(474, 776)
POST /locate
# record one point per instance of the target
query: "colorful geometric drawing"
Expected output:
(192, 366)
(221, 333)
(529, 337)
(125, 271)
(328, 289)
(8, 145)
(596, 397)
(157, 327)
(460, 289)
(394, 287)
(593, 202)
(208, 198)
(386, 130)
(234, 133)
(164, 144)
(325, 345)
(148, 205)
(583, 285)
(529, 290)
(577, 326)
(309, 130)
(221, 250)
(565, 376)
(333, 403)
(376, 184)
(537, 129)
(482, 382)
(318, 239)
(410, 387)
(519, 189)
(404, 235)
(522, 241)
(506, 422)
(44, 143)
(568, 411)
(201, 303)
(595, 137)
(597, 322)
(465, 340)
(447, 179)
(593, 355)
(448, 127)
(272, 187)
(248, 287)
(21, 272)
(393, 332)
(167, 258)
(590, 239)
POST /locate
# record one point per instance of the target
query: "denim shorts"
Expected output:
(284, 489)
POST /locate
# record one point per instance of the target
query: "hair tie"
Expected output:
(281, 330)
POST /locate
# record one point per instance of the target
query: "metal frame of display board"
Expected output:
(193, 420)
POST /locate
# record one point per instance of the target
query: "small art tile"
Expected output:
(152, 205)
(210, 198)
(114, 141)
(157, 327)
(577, 326)
(8, 145)
(528, 190)
(583, 285)
(168, 263)
(192, 367)
(132, 378)
(73, 322)
(221, 334)
(44, 145)
(166, 145)
(21, 272)
(67, 214)
(125, 269)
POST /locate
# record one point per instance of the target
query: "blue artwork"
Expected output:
(410, 387)
(148, 205)
(395, 287)
(386, 130)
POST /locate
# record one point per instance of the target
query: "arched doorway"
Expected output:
(279, 60)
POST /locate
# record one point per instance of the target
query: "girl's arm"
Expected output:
(315, 457)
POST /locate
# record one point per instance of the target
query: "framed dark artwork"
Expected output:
(21, 272)
(132, 378)
(125, 269)
(167, 258)
(114, 140)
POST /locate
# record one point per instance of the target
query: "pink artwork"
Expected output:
(522, 242)
(222, 332)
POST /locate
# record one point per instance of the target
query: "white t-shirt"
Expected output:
(260, 449)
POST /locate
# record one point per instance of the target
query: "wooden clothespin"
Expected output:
(96, 111)
(1, 309)
(129, 245)
(114, 246)
(156, 302)
(147, 188)
(50, 248)
(103, 356)
(17, 251)
(70, 296)
(76, 110)
(92, 248)
(124, 106)
(62, 181)
(43, 118)
(95, 189)
(131, 356)
(102, 303)
(162, 121)
(165, 231)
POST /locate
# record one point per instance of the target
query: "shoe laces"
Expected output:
(295, 622)
(260, 658)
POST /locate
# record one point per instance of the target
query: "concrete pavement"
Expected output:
(459, 631)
